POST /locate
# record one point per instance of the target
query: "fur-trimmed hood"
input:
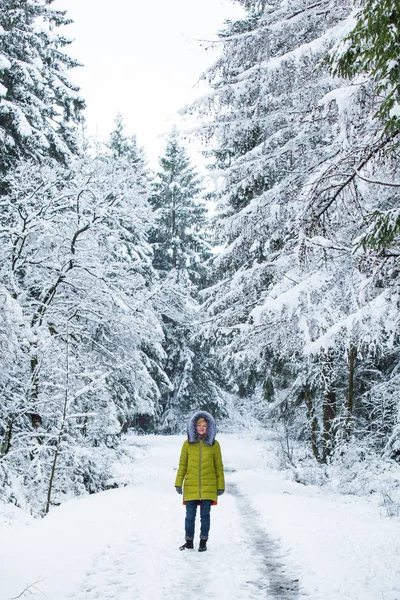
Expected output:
(192, 434)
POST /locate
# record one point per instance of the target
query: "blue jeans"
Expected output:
(191, 509)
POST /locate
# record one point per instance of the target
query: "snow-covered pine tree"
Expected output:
(180, 250)
(355, 197)
(39, 106)
(125, 147)
(297, 315)
(129, 159)
(272, 126)
(179, 241)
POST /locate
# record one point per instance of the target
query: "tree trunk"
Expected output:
(314, 423)
(329, 413)
(350, 393)
(61, 431)
(35, 418)
(52, 473)
(7, 437)
(174, 251)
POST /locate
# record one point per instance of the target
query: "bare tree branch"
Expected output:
(30, 589)
(376, 182)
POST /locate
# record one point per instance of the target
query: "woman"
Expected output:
(201, 473)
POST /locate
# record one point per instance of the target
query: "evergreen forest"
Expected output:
(126, 303)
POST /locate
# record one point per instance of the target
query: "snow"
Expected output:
(280, 298)
(20, 121)
(378, 313)
(4, 62)
(267, 533)
(395, 111)
(343, 97)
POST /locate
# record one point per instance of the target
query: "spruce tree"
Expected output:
(180, 251)
(39, 106)
(294, 312)
(124, 146)
(264, 119)
(272, 117)
(128, 159)
(179, 240)
(129, 156)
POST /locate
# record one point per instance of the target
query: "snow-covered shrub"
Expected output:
(355, 469)
(12, 489)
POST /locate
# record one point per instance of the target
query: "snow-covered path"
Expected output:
(270, 538)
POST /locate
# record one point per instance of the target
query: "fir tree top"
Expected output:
(179, 241)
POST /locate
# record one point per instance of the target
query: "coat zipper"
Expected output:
(201, 450)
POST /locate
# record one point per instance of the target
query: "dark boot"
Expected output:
(203, 546)
(188, 545)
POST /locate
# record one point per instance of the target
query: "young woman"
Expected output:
(201, 474)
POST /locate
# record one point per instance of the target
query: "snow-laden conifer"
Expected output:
(179, 241)
(294, 310)
(181, 249)
(306, 304)
(39, 105)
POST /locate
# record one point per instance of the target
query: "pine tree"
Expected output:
(180, 251)
(355, 197)
(179, 240)
(294, 312)
(123, 146)
(269, 139)
(130, 157)
(39, 106)
(273, 116)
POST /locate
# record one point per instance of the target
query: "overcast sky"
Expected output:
(141, 59)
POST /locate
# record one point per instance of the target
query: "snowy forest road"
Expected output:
(143, 560)
(271, 538)
(123, 544)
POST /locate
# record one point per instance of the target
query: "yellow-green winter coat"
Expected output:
(201, 470)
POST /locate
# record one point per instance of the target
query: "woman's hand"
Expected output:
(178, 489)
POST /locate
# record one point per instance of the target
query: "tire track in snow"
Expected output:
(234, 567)
(274, 579)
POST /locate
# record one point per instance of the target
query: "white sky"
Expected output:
(141, 59)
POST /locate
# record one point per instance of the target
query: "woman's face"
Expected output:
(201, 427)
